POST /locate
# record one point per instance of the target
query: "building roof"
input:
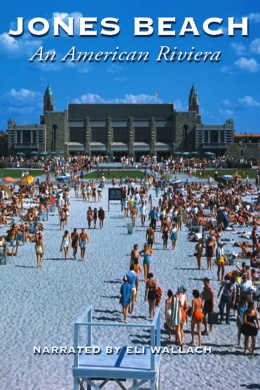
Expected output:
(119, 111)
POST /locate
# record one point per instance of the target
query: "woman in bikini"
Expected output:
(150, 293)
(197, 315)
(199, 251)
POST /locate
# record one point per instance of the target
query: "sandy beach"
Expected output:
(39, 306)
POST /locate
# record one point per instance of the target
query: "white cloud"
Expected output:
(249, 102)
(226, 69)
(239, 48)
(249, 65)
(226, 102)
(254, 17)
(128, 99)
(22, 93)
(114, 68)
(179, 106)
(255, 46)
(226, 112)
(14, 48)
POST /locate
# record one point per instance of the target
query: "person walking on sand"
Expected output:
(150, 294)
(250, 327)
(83, 240)
(220, 260)
(197, 316)
(209, 303)
(74, 242)
(66, 242)
(228, 298)
(125, 297)
(132, 279)
(168, 303)
(150, 236)
(146, 253)
(173, 235)
(198, 252)
(101, 217)
(39, 250)
(89, 217)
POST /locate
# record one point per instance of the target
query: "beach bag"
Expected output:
(213, 318)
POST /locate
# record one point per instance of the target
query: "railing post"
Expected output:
(152, 345)
(90, 327)
(76, 344)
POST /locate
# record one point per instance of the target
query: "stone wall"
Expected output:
(246, 151)
(181, 119)
(59, 119)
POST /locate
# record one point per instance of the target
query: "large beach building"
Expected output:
(121, 129)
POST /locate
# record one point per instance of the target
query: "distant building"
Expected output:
(120, 129)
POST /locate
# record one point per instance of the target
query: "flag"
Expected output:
(156, 94)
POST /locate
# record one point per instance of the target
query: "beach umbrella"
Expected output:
(177, 153)
(195, 154)
(8, 179)
(24, 181)
(44, 153)
(210, 154)
(174, 182)
(186, 154)
(22, 154)
(5, 188)
(34, 153)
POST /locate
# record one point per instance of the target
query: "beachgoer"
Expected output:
(132, 278)
(209, 304)
(241, 308)
(95, 216)
(74, 242)
(221, 259)
(250, 327)
(173, 235)
(198, 252)
(89, 216)
(184, 307)
(39, 250)
(150, 236)
(228, 298)
(66, 242)
(83, 240)
(150, 294)
(146, 253)
(197, 316)
(101, 217)
(168, 302)
(209, 252)
(125, 298)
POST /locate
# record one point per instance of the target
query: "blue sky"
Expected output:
(227, 89)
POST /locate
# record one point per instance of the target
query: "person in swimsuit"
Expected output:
(173, 235)
(83, 240)
(134, 254)
(197, 316)
(165, 235)
(250, 327)
(146, 253)
(66, 243)
(199, 251)
(95, 216)
(150, 236)
(39, 251)
(150, 293)
(74, 242)
(209, 253)
(168, 303)
(208, 297)
(125, 298)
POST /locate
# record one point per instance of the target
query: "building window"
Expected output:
(142, 134)
(34, 133)
(222, 136)
(206, 136)
(99, 134)
(185, 134)
(54, 137)
(27, 136)
(18, 136)
(77, 134)
(242, 152)
(214, 136)
(121, 134)
(164, 134)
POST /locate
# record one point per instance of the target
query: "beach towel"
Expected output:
(175, 318)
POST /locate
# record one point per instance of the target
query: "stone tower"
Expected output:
(193, 100)
(48, 101)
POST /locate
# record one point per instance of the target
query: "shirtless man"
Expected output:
(208, 297)
(150, 236)
(134, 254)
(74, 242)
(83, 240)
